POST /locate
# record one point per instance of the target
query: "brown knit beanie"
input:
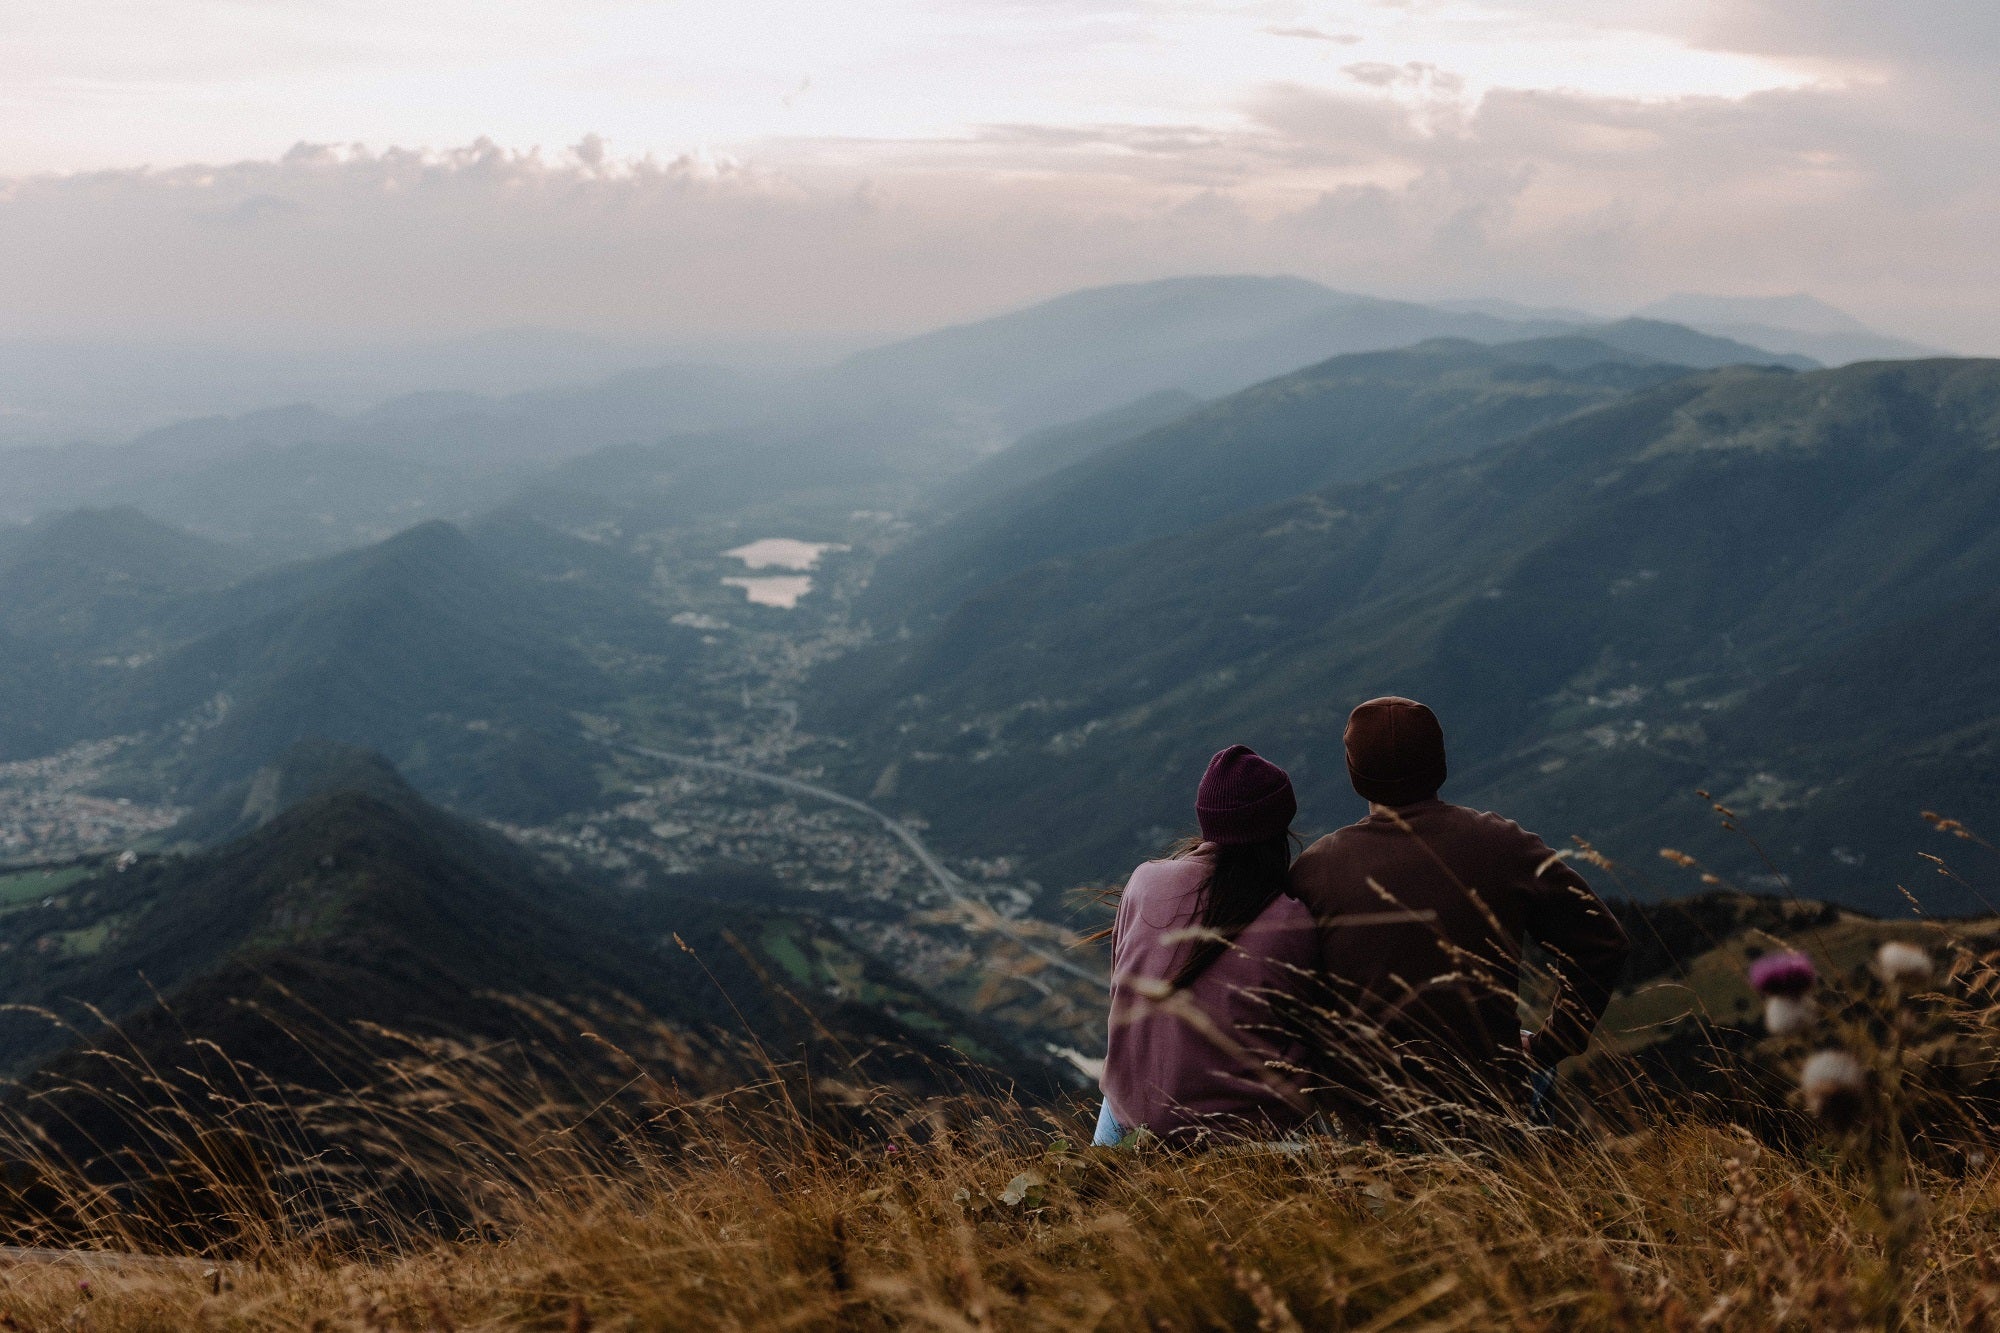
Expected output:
(1395, 751)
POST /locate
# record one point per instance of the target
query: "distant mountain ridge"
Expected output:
(1053, 448)
(1088, 351)
(1344, 419)
(83, 595)
(296, 481)
(1795, 323)
(82, 575)
(428, 647)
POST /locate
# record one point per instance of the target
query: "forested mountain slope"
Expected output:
(1053, 448)
(1346, 419)
(1772, 585)
(82, 595)
(463, 655)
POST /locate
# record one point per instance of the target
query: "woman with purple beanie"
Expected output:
(1205, 941)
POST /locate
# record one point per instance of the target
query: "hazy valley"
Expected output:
(1621, 577)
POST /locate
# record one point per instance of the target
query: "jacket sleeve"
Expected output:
(1586, 947)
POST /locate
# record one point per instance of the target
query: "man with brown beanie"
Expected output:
(1423, 910)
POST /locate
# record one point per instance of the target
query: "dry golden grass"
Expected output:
(667, 1183)
(811, 1204)
(1678, 1227)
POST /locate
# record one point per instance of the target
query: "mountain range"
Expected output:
(1796, 323)
(1767, 584)
(462, 654)
(1093, 350)
(297, 481)
(1136, 523)
(1669, 585)
(468, 652)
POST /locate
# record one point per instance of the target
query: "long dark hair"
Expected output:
(1246, 878)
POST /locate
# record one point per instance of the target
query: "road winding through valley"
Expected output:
(941, 874)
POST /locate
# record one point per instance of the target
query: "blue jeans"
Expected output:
(1541, 1087)
(1108, 1132)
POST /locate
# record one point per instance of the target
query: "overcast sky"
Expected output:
(236, 168)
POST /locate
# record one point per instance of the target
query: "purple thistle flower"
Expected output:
(1787, 974)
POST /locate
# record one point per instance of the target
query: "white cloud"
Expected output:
(893, 163)
(1316, 35)
(114, 82)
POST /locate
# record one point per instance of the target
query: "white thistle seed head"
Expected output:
(1832, 1082)
(1902, 964)
(1786, 1014)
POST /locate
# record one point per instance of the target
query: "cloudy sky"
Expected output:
(689, 168)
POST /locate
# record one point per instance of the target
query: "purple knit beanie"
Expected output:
(1244, 798)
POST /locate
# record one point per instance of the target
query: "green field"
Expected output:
(29, 885)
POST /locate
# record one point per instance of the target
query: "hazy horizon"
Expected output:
(72, 390)
(710, 173)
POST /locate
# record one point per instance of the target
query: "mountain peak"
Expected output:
(436, 532)
(1666, 340)
(310, 768)
(119, 532)
(427, 545)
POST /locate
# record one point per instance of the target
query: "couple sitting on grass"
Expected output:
(1375, 980)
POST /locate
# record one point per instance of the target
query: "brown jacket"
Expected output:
(1422, 915)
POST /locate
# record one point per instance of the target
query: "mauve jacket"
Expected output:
(1422, 917)
(1197, 1061)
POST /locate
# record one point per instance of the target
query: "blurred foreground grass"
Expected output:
(628, 1175)
(1677, 1227)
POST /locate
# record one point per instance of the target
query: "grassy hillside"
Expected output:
(772, 1226)
(1646, 598)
